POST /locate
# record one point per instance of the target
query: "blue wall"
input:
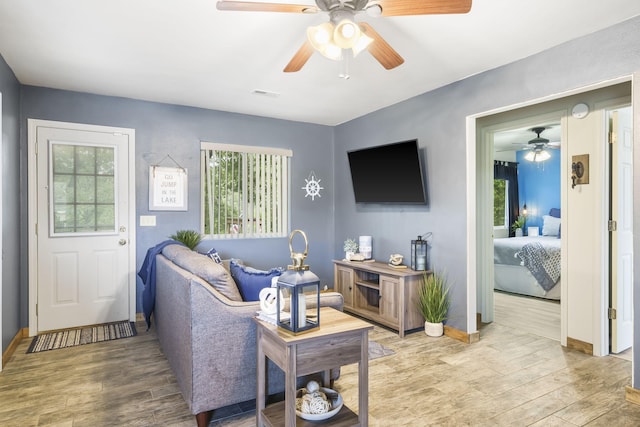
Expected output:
(163, 129)
(11, 188)
(539, 186)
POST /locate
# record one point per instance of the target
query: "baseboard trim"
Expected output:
(459, 335)
(11, 348)
(581, 346)
(632, 395)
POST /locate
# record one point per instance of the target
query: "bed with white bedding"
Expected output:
(528, 266)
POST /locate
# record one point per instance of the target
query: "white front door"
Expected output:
(622, 238)
(83, 225)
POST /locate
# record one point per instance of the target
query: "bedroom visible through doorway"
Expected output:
(583, 210)
(527, 243)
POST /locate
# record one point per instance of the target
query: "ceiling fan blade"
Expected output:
(423, 7)
(380, 49)
(300, 58)
(248, 6)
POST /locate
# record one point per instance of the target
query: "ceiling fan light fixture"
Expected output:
(346, 34)
(331, 51)
(320, 35)
(363, 42)
(542, 156)
(537, 156)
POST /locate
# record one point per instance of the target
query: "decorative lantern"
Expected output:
(419, 254)
(298, 285)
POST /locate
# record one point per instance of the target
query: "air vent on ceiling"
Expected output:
(262, 92)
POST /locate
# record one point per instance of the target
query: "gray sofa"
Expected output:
(206, 334)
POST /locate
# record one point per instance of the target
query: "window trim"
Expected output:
(247, 149)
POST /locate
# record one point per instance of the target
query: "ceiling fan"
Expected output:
(538, 146)
(342, 33)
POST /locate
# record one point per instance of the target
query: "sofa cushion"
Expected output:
(204, 267)
(251, 281)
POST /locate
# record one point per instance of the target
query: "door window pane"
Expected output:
(83, 190)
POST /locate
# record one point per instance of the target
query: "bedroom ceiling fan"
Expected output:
(538, 145)
(342, 36)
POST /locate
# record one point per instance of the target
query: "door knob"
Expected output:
(122, 242)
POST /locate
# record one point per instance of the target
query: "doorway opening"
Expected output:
(584, 210)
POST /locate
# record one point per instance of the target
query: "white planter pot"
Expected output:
(348, 255)
(433, 329)
(518, 232)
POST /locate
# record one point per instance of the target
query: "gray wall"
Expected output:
(11, 289)
(163, 130)
(437, 119)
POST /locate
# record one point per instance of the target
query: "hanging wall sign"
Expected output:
(167, 189)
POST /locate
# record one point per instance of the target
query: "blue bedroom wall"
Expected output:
(173, 130)
(11, 242)
(538, 186)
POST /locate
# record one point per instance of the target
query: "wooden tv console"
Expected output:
(380, 293)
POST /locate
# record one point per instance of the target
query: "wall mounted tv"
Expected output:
(387, 174)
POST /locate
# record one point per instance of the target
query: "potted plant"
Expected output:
(433, 302)
(190, 238)
(350, 248)
(518, 225)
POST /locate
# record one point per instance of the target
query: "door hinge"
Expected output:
(612, 225)
(612, 313)
(613, 137)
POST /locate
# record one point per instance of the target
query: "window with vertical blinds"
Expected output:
(245, 191)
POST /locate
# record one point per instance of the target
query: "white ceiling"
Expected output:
(190, 53)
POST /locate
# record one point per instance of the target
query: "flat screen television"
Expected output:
(387, 174)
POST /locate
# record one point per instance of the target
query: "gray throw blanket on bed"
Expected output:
(543, 264)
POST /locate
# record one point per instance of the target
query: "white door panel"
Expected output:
(622, 238)
(84, 262)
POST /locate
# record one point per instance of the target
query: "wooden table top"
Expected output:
(332, 322)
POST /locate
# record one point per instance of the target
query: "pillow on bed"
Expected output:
(550, 225)
(554, 212)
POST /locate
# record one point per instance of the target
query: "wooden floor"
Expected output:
(535, 315)
(508, 378)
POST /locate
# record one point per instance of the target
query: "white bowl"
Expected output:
(335, 408)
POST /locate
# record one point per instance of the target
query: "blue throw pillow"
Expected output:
(251, 281)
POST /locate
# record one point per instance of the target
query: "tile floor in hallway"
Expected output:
(508, 378)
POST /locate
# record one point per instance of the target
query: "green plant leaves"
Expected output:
(190, 238)
(433, 297)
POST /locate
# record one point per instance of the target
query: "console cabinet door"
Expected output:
(344, 284)
(389, 299)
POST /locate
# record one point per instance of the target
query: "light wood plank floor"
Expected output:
(508, 378)
(535, 315)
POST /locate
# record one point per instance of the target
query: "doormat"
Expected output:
(84, 335)
(377, 350)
